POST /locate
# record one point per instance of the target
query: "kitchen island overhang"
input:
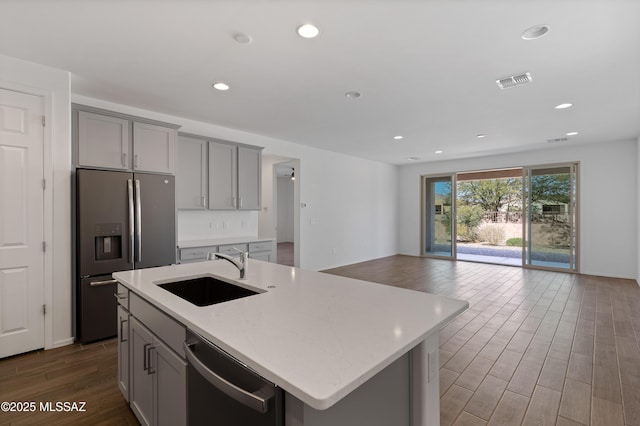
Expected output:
(317, 336)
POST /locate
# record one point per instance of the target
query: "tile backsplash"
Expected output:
(204, 224)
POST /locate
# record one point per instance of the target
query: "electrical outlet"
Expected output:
(243, 224)
(334, 250)
(225, 225)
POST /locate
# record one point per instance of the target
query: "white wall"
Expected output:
(53, 85)
(285, 210)
(351, 203)
(608, 200)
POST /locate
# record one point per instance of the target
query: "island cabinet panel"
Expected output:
(141, 392)
(153, 148)
(123, 351)
(170, 396)
(157, 370)
(191, 174)
(383, 400)
(103, 141)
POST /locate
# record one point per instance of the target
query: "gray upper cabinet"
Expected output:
(223, 176)
(103, 141)
(249, 178)
(109, 140)
(217, 174)
(191, 174)
(153, 148)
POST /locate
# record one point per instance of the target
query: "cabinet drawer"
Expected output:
(261, 246)
(197, 252)
(122, 294)
(166, 328)
(231, 248)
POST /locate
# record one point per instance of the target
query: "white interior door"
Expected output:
(21, 223)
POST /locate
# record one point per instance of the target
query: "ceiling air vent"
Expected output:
(514, 80)
(557, 140)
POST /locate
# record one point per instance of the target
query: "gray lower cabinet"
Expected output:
(123, 351)
(158, 380)
(260, 250)
(157, 374)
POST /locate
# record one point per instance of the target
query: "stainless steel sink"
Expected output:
(205, 291)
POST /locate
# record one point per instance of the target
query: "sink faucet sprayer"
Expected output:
(241, 264)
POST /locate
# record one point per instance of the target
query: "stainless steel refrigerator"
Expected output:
(123, 221)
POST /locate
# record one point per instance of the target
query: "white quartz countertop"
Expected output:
(316, 335)
(221, 241)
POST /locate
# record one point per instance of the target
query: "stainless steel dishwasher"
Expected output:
(224, 392)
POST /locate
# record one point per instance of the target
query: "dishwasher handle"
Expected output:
(250, 399)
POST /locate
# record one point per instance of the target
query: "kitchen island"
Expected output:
(331, 343)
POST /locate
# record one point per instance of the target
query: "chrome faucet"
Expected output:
(241, 264)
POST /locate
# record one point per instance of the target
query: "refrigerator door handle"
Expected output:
(139, 220)
(131, 220)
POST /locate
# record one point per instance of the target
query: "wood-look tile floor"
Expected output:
(74, 373)
(534, 347)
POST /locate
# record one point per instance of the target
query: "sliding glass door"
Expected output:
(550, 234)
(438, 226)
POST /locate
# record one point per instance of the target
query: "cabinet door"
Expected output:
(223, 183)
(141, 391)
(123, 351)
(191, 174)
(170, 388)
(103, 141)
(153, 148)
(249, 178)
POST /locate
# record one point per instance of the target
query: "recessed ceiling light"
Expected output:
(571, 133)
(535, 32)
(414, 158)
(242, 38)
(398, 137)
(563, 106)
(481, 135)
(308, 31)
(353, 95)
(220, 86)
(439, 152)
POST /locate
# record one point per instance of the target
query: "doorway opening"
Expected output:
(285, 194)
(521, 216)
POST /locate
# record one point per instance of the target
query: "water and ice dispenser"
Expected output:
(108, 240)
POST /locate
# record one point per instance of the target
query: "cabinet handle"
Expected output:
(101, 283)
(122, 339)
(120, 296)
(204, 201)
(124, 160)
(151, 370)
(240, 206)
(235, 202)
(145, 362)
(135, 161)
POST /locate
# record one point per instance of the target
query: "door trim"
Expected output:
(47, 152)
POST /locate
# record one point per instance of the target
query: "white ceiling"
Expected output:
(426, 68)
